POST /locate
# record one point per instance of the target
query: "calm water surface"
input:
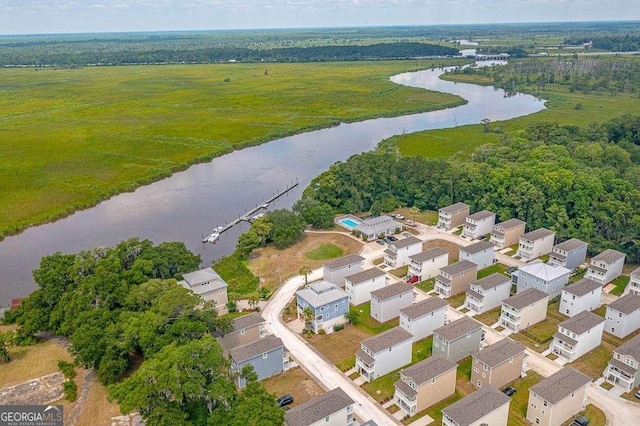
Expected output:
(190, 203)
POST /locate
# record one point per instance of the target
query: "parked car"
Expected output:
(413, 279)
(387, 240)
(509, 390)
(511, 270)
(406, 234)
(580, 421)
(392, 238)
(284, 400)
(380, 242)
(399, 216)
(638, 394)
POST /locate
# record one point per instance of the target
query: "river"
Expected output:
(189, 204)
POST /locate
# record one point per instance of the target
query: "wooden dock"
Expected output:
(246, 217)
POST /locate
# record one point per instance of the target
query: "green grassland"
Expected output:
(70, 138)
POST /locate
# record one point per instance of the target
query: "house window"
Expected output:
(485, 367)
(468, 335)
(479, 383)
(220, 291)
(326, 419)
(544, 403)
(511, 360)
(436, 344)
(537, 421)
(389, 349)
(265, 355)
(335, 307)
(475, 369)
(243, 332)
(620, 314)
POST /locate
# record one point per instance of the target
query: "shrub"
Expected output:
(322, 332)
(70, 390)
(338, 327)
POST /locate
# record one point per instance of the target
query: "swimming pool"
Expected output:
(349, 222)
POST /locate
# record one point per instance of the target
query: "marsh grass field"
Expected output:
(72, 137)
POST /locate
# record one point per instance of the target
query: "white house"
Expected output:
(535, 244)
(486, 406)
(583, 295)
(488, 293)
(334, 408)
(634, 283)
(481, 253)
(479, 224)
(375, 227)
(544, 277)
(207, 284)
(622, 369)
(387, 301)
(623, 316)
(606, 267)
(335, 270)
(570, 253)
(384, 353)
(426, 264)
(360, 285)
(398, 252)
(420, 319)
(578, 335)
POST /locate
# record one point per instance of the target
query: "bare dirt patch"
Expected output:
(295, 382)
(340, 347)
(451, 248)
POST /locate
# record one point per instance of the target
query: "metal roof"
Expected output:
(544, 271)
(321, 293)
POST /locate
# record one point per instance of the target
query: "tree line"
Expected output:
(582, 183)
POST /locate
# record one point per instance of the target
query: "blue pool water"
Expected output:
(349, 222)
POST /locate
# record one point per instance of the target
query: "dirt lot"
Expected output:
(275, 265)
(30, 362)
(340, 347)
(452, 248)
(295, 382)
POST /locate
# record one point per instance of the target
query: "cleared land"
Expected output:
(72, 137)
(295, 382)
(30, 362)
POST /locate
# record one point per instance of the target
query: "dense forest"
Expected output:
(121, 307)
(614, 43)
(582, 183)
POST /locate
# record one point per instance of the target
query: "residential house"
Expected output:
(569, 254)
(524, 309)
(578, 335)
(623, 316)
(207, 284)
(485, 407)
(452, 216)
(329, 304)
(535, 244)
(507, 233)
(377, 227)
(455, 278)
(634, 283)
(387, 301)
(420, 319)
(360, 285)
(425, 384)
(426, 264)
(479, 224)
(544, 277)
(558, 398)
(606, 267)
(245, 329)
(458, 339)
(622, 369)
(268, 356)
(498, 364)
(583, 295)
(333, 408)
(481, 253)
(398, 252)
(487, 293)
(384, 353)
(335, 270)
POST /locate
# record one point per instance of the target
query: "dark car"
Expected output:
(510, 390)
(511, 270)
(284, 400)
(392, 238)
(580, 421)
(638, 394)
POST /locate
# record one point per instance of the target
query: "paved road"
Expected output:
(327, 374)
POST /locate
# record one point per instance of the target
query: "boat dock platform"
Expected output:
(246, 217)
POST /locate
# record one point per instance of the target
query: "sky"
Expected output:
(79, 16)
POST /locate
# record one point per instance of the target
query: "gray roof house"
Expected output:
(452, 216)
(486, 406)
(535, 244)
(421, 318)
(498, 364)
(387, 301)
(207, 284)
(458, 339)
(622, 369)
(398, 252)
(328, 302)
(335, 270)
(570, 253)
(268, 357)
(455, 278)
(634, 283)
(360, 285)
(507, 233)
(578, 335)
(426, 264)
(481, 253)
(606, 267)
(384, 353)
(378, 227)
(583, 295)
(544, 277)
(524, 309)
(488, 292)
(333, 408)
(479, 224)
(245, 329)
(623, 316)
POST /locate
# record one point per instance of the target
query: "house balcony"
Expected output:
(473, 305)
(509, 321)
(633, 287)
(365, 364)
(561, 347)
(443, 288)
(406, 397)
(498, 241)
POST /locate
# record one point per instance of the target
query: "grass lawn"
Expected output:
(97, 409)
(606, 385)
(620, 283)
(400, 272)
(367, 323)
(235, 272)
(490, 317)
(442, 143)
(378, 261)
(631, 395)
(594, 363)
(458, 231)
(234, 315)
(324, 252)
(552, 356)
(427, 285)
(421, 350)
(577, 276)
(530, 343)
(382, 389)
(31, 362)
(340, 347)
(457, 300)
(602, 311)
(520, 399)
(594, 414)
(496, 267)
(428, 217)
(295, 382)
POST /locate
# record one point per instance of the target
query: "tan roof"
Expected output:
(392, 290)
(428, 369)
(454, 207)
(254, 349)
(406, 242)
(630, 348)
(386, 339)
(499, 352)
(582, 287)
(459, 267)
(424, 307)
(365, 275)
(582, 322)
(476, 405)
(537, 234)
(343, 261)
(246, 321)
(525, 298)
(491, 281)
(571, 244)
(609, 256)
(482, 214)
(318, 408)
(511, 223)
(457, 329)
(428, 255)
(478, 247)
(626, 304)
(558, 386)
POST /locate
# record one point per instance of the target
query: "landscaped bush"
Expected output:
(338, 327)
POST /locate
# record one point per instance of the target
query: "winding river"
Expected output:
(190, 203)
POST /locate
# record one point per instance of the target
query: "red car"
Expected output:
(413, 279)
